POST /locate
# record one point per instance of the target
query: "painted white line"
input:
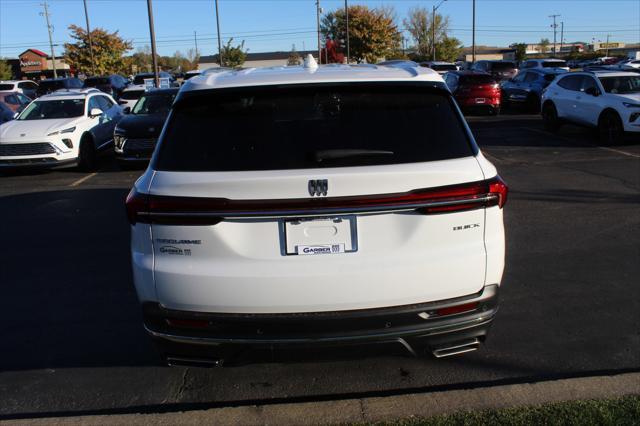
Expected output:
(83, 179)
(604, 148)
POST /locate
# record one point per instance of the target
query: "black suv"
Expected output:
(111, 84)
(499, 70)
(52, 84)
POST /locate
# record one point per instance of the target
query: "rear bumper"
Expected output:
(238, 338)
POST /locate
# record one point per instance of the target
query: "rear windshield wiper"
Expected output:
(332, 154)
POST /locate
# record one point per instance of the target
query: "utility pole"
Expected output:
(346, 11)
(561, 35)
(195, 41)
(154, 56)
(555, 28)
(53, 55)
(218, 29)
(318, 12)
(473, 34)
(93, 62)
(607, 51)
(433, 30)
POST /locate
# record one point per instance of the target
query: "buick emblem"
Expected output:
(318, 187)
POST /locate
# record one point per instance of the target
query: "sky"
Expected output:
(270, 25)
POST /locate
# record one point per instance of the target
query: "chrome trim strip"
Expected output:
(336, 211)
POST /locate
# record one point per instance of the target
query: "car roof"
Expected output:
(469, 72)
(437, 63)
(605, 73)
(547, 60)
(545, 70)
(334, 73)
(70, 94)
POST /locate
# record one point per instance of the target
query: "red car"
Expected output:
(474, 91)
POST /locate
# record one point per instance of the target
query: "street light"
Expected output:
(433, 30)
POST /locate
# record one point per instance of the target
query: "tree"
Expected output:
(521, 51)
(193, 57)
(544, 45)
(294, 57)
(420, 25)
(233, 57)
(108, 51)
(6, 73)
(372, 32)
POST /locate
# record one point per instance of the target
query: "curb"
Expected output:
(376, 409)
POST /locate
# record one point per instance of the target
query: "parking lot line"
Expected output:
(604, 148)
(83, 179)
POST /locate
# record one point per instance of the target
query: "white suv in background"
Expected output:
(607, 100)
(316, 206)
(64, 128)
(544, 63)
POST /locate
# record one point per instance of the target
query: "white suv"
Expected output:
(316, 206)
(607, 100)
(64, 128)
(544, 63)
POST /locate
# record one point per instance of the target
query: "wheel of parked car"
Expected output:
(87, 156)
(610, 128)
(550, 117)
(533, 104)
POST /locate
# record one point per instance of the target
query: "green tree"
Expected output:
(544, 45)
(6, 73)
(233, 57)
(448, 49)
(373, 33)
(521, 51)
(419, 23)
(108, 51)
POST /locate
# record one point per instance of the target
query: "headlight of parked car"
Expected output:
(69, 130)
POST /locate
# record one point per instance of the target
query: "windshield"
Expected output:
(621, 85)
(477, 79)
(6, 86)
(311, 127)
(154, 104)
(554, 64)
(499, 66)
(43, 110)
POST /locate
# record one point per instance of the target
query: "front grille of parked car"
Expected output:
(133, 146)
(16, 149)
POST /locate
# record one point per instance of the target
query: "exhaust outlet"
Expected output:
(173, 361)
(457, 348)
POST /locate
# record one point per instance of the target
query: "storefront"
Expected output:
(36, 65)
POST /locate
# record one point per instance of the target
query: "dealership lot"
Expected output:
(73, 340)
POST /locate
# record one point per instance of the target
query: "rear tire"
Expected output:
(533, 104)
(87, 158)
(610, 128)
(550, 117)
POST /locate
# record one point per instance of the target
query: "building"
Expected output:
(36, 65)
(253, 60)
(536, 48)
(488, 53)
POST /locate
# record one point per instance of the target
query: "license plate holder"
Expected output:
(317, 236)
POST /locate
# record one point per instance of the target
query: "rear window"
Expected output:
(130, 95)
(444, 67)
(96, 81)
(476, 79)
(314, 126)
(52, 85)
(554, 64)
(499, 66)
(6, 86)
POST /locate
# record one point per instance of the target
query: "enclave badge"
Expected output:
(318, 187)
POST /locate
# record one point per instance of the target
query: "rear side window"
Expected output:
(554, 64)
(311, 126)
(6, 86)
(571, 82)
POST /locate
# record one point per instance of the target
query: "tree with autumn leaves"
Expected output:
(108, 52)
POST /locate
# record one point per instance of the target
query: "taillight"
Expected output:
(168, 210)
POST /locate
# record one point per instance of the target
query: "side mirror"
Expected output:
(95, 112)
(126, 110)
(592, 91)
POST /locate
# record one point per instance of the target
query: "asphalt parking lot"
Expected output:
(72, 340)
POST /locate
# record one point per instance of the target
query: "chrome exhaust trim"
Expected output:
(456, 349)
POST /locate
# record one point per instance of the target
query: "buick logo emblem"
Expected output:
(318, 187)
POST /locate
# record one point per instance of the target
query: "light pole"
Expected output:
(218, 29)
(555, 28)
(154, 56)
(346, 12)
(318, 12)
(561, 36)
(86, 16)
(433, 30)
(53, 55)
(473, 34)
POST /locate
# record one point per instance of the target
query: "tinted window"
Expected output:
(626, 84)
(96, 81)
(571, 82)
(269, 128)
(530, 77)
(131, 94)
(589, 82)
(554, 64)
(104, 103)
(51, 85)
(499, 66)
(6, 86)
(42, 110)
(12, 100)
(550, 77)
(23, 99)
(154, 103)
(477, 79)
(444, 67)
